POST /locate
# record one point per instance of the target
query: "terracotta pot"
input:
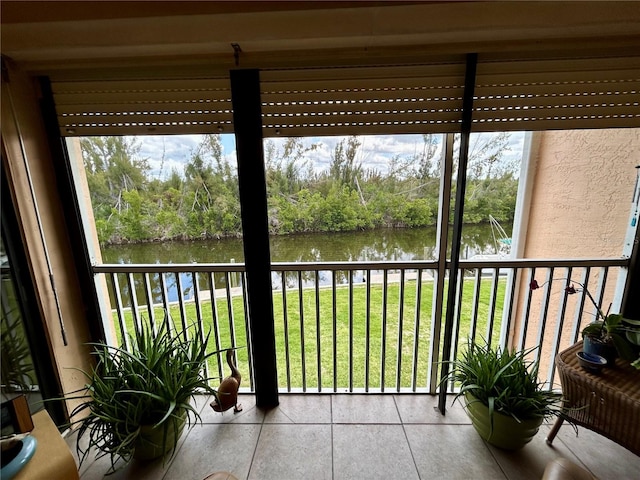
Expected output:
(507, 433)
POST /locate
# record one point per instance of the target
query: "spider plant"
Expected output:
(150, 384)
(505, 381)
(16, 368)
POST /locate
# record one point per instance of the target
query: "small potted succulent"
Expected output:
(503, 396)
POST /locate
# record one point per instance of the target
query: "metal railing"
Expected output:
(365, 326)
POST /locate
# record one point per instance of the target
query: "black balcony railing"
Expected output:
(365, 326)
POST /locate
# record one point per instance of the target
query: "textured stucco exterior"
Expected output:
(581, 194)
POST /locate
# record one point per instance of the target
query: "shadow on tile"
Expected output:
(530, 461)
(452, 452)
(249, 414)
(603, 457)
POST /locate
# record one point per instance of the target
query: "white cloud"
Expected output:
(375, 151)
(172, 151)
(165, 152)
(378, 150)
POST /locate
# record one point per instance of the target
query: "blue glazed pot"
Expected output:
(598, 348)
(27, 448)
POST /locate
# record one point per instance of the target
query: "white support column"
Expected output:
(520, 228)
(629, 239)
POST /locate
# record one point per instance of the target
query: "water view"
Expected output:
(373, 245)
(379, 194)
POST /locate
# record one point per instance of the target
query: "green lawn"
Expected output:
(361, 334)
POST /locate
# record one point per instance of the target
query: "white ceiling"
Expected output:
(295, 33)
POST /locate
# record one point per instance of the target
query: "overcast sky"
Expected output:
(172, 151)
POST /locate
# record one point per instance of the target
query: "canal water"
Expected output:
(374, 245)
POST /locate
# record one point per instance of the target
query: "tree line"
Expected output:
(202, 200)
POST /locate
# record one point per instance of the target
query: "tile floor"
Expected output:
(362, 437)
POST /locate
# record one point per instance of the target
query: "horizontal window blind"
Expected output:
(559, 93)
(375, 100)
(143, 107)
(333, 101)
(511, 94)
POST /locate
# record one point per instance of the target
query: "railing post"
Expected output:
(467, 110)
(247, 120)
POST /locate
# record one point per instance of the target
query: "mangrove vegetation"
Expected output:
(201, 201)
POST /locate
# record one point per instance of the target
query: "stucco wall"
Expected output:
(582, 193)
(580, 205)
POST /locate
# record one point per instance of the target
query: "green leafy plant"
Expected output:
(607, 328)
(615, 329)
(151, 384)
(16, 367)
(505, 381)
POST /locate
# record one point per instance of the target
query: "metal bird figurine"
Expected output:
(227, 395)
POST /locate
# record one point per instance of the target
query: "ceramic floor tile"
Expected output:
(296, 441)
(99, 468)
(134, 470)
(301, 409)
(89, 468)
(603, 457)
(454, 452)
(153, 470)
(71, 438)
(530, 461)
(424, 409)
(371, 451)
(199, 402)
(216, 447)
(249, 414)
(293, 452)
(364, 409)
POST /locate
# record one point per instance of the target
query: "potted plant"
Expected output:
(610, 337)
(16, 368)
(137, 400)
(610, 334)
(503, 396)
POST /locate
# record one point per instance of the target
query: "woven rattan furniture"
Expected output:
(607, 403)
